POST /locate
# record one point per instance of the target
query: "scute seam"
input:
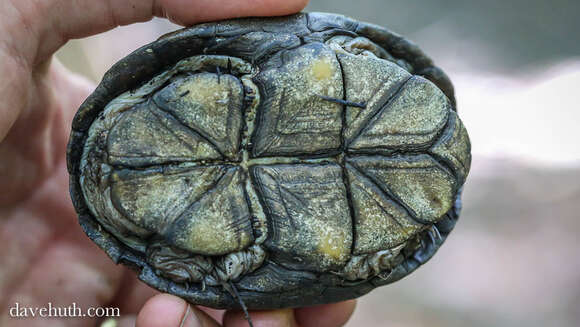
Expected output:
(389, 194)
(364, 126)
(191, 129)
(341, 162)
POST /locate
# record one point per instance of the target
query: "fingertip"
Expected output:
(265, 318)
(165, 310)
(287, 7)
(188, 12)
(326, 315)
(57, 21)
(162, 310)
(215, 314)
(127, 321)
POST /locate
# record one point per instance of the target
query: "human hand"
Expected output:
(44, 255)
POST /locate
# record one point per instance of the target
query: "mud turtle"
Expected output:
(292, 161)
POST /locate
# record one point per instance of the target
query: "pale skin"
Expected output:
(44, 255)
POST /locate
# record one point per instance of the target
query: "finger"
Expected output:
(57, 278)
(75, 86)
(33, 30)
(216, 314)
(125, 321)
(17, 89)
(166, 310)
(51, 259)
(327, 315)
(185, 12)
(266, 318)
(132, 294)
(40, 120)
(37, 21)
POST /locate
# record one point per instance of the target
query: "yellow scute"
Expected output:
(322, 69)
(332, 245)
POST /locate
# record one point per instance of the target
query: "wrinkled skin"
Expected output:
(45, 257)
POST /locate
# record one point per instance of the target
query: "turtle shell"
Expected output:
(298, 160)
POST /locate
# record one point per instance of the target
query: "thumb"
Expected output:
(281, 317)
(47, 24)
(33, 30)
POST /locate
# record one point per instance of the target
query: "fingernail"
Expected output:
(111, 322)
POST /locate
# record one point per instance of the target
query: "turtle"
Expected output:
(264, 163)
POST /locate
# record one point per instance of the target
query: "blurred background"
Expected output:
(514, 257)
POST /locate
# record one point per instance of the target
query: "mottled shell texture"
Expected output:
(297, 160)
